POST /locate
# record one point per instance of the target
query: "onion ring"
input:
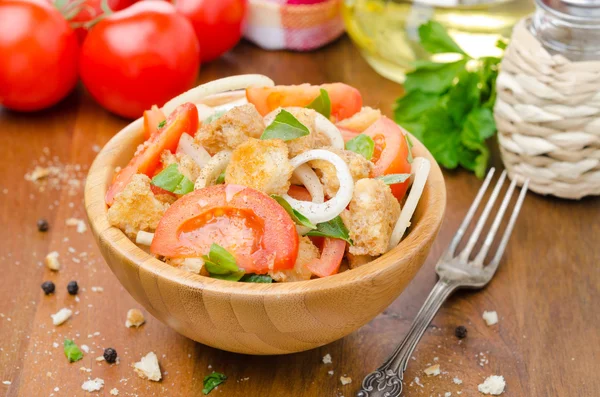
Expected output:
(211, 171)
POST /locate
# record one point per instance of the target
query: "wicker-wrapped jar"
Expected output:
(548, 105)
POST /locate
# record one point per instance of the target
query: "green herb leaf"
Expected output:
(433, 80)
(172, 180)
(214, 116)
(257, 278)
(185, 186)
(409, 156)
(235, 276)
(436, 40)
(296, 216)
(72, 351)
(221, 260)
(502, 44)
(211, 381)
(392, 179)
(285, 127)
(335, 228)
(362, 144)
(321, 104)
(221, 178)
(162, 124)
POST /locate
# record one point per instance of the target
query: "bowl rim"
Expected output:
(97, 211)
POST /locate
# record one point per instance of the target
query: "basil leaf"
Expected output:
(322, 103)
(221, 258)
(185, 186)
(296, 216)
(433, 80)
(221, 178)
(363, 145)
(392, 179)
(409, 145)
(214, 116)
(72, 351)
(235, 276)
(257, 278)
(285, 127)
(162, 124)
(436, 40)
(211, 381)
(334, 228)
(168, 178)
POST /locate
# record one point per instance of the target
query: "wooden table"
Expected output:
(546, 292)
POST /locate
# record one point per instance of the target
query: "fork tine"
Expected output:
(465, 223)
(511, 223)
(489, 239)
(464, 255)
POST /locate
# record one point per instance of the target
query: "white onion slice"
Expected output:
(211, 171)
(144, 238)
(323, 212)
(196, 152)
(326, 127)
(217, 86)
(230, 105)
(204, 111)
(420, 170)
(311, 182)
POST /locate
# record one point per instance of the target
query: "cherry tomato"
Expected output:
(152, 118)
(38, 50)
(252, 226)
(345, 100)
(92, 9)
(140, 56)
(391, 152)
(147, 157)
(331, 258)
(218, 24)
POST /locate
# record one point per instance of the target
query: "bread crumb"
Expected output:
(80, 223)
(97, 289)
(418, 381)
(114, 392)
(327, 359)
(345, 380)
(490, 318)
(493, 385)
(330, 372)
(84, 369)
(92, 385)
(135, 318)
(6, 382)
(148, 368)
(52, 261)
(457, 381)
(49, 374)
(61, 316)
(85, 348)
(447, 394)
(434, 370)
(100, 358)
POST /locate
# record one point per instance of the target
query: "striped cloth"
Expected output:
(300, 25)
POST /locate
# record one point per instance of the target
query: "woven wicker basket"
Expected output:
(548, 118)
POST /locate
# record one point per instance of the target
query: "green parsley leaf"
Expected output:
(211, 381)
(172, 180)
(334, 228)
(296, 216)
(463, 96)
(72, 351)
(436, 40)
(214, 116)
(162, 124)
(392, 179)
(362, 144)
(221, 178)
(433, 80)
(322, 103)
(285, 127)
(257, 278)
(220, 260)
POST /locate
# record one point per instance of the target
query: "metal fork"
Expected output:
(454, 271)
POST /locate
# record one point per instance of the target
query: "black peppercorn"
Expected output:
(73, 288)
(110, 355)
(460, 332)
(48, 287)
(43, 225)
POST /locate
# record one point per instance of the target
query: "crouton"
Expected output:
(361, 120)
(186, 166)
(262, 165)
(136, 208)
(359, 166)
(231, 129)
(306, 253)
(371, 217)
(355, 261)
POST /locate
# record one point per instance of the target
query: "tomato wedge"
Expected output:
(147, 157)
(152, 118)
(252, 226)
(331, 258)
(391, 152)
(345, 100)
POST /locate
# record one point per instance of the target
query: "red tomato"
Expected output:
(252, 226)
(138, 57)
(345, 100)
(391, 152)
(299, 193)
(152, 118)
(331, 258)
(347, 134)
(218, 23)
(147, 157)
(89, 10)
(39, 55)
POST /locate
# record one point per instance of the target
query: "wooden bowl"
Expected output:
(255, 318)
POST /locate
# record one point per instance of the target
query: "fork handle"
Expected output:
(386, 381)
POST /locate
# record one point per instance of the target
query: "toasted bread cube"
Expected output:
(262, 165)
(136, 208)
(185, 165)
(371, 217)
(355, 261)
(231, 129)
(359, 166)
(307, 252)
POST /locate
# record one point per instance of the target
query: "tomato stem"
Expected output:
(106, 11)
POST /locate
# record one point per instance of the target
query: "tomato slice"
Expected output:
(345, 100)
(391, 152)
(299, 193)
(152, 118)
(147, 157)
(331, 258)
(252, 226)
(347, 134)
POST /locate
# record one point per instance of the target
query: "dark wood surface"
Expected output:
(546, 291)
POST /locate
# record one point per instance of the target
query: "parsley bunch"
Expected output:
(449, 106)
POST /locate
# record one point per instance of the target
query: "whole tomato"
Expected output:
(38, 50)
(138, 57)
(218, 23)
